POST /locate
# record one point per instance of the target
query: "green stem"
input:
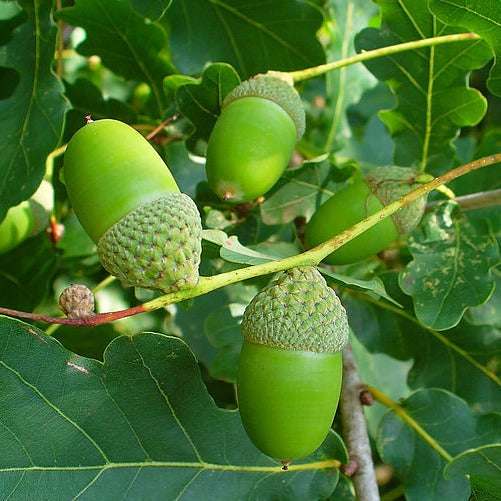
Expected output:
(391, 404)
(311, 257)
(316, 71)
(317, 254)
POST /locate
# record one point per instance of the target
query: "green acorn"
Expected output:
(148, 234)
(361, 199)
(254, 137)
(290, 367)
(27, 219)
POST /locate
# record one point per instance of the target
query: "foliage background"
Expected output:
(425, 314)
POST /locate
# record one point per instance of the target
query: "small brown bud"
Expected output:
(351, 468)
(77, 301)
(366, 397)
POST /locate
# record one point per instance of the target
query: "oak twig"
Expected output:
(355, 431)
(309, 258)
(473, 201)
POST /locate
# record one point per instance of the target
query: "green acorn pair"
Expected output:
(148, 234)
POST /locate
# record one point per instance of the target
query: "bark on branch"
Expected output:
(361, 467)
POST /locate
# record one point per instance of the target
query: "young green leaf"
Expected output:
(482, 17)
(200, 100)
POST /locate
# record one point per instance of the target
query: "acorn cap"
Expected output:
(275, 89)
(297, 311)
(390, 183)
(156, 246)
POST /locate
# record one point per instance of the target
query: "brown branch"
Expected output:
(99, 319)
(360, 467)
(155, 131)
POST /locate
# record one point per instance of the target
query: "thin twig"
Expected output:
(155, 131)
(355, 431)
(473, 201)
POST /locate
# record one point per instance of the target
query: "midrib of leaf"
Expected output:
(429, 100)
(139, 61)
(274, 468)
(167, 401)
(260, 28)
(55, 409)
(437, 335)
(429, 92)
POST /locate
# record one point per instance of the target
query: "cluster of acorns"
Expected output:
(148, 234)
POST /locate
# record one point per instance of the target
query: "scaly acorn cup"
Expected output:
(148, 234)
(253, 138)
(290, 370)
(361, 199)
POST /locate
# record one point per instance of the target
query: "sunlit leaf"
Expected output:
(482, 17)
(434, 101)
(200, 100)
(345, 86)
(451, 267)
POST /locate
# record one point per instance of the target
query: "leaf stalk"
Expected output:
(315, 71)
(394, 406)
